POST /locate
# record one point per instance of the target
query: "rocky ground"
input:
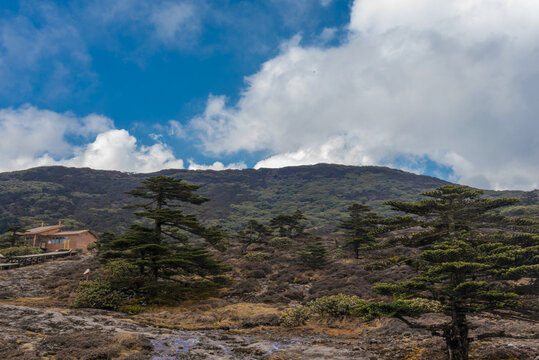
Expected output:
(37, 322)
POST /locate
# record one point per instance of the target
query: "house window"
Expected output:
(58, 240)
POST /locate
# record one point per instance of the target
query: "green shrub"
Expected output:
(132, 309)
(337, 305)
(385, 264)
(341, 305)
(20, 250)
(296, 316)
(339, 254)
(256, 256)
(119, 274)
(98, 295)
(280, 242)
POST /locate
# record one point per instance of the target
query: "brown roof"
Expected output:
(41, 229)
(70, 232)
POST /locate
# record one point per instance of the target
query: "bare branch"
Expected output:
(414, 325)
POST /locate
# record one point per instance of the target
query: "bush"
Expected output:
(98, 295)
(20, 250)
(132, 309)
(385, 264)
(337, 305)
(119, 274)
(280, 242)
(296, 316)
(256, 256)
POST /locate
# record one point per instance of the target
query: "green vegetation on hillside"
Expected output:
(86, 198)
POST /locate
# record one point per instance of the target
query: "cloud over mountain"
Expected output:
(35, 137)
(455, 82)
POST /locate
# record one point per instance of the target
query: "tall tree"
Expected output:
(315, 254)
(164, 196)
(466, 261)
(163, 251)
(289, 225)
(362, 227)
(254, 232)
(13, 237)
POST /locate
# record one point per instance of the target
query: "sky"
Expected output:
(443, 88)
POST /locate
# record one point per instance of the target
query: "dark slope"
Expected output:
(94, 199)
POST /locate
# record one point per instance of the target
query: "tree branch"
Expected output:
(414, 325)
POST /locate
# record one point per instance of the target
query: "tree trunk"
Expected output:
(244, 247)
(456, 337)
(356, 249)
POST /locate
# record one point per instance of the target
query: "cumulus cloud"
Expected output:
(217, 166)
(36, 137)
(118, 150)
(454, 81)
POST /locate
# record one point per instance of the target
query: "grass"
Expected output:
(210, 314)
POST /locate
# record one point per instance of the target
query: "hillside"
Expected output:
(94, 199)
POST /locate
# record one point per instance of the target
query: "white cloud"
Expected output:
(175, 23)
(35, 137)
(175, 128)
(118, 150)
(327, 35)
(455, 81)
(216, 166)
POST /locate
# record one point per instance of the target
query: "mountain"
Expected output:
(86, 198)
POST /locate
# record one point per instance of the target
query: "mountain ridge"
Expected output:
(84, 197)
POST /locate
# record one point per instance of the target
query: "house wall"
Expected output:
(81, 241)
(53, 245)
(75, 241)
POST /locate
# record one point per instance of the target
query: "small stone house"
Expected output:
(52, 238)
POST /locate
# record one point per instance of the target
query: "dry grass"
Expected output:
(213, 315)
(30, 301)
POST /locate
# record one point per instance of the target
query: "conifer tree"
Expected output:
(289, 225)
(466, 263)
(362, 227)
(163, 251)
(13, 237)
(254, 232)
(314, 254)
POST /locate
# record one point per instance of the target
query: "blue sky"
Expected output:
(441, 89)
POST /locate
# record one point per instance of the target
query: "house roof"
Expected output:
(41, 229)
(71, 232)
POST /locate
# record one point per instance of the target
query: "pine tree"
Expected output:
(289, 225)
(163, 251)
(314, 254)
(254, 232)
(467, 259)
(363, 226)
(13, 238)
